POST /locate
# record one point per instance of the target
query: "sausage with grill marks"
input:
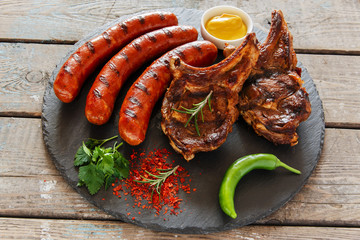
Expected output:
(96, 51)
(103, 93)
(150, 86)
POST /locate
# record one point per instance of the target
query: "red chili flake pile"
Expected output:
(146, 196)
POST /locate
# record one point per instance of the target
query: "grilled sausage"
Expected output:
(96, 51)
(150, 86)
(101, 98)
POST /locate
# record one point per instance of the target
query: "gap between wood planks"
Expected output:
(21, 114)
(69, 42)
(334, 125)
(110, 220)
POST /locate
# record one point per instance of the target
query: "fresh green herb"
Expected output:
(195, 111)
(99, 165)
(158, 180)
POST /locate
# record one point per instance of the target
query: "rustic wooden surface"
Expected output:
(36, 202)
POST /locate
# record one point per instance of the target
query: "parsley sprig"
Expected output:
(195, 111)
(99, 165)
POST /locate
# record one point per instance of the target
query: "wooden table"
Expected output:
(36, 202)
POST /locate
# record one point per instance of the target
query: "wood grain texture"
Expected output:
(15, 228)
(333, 190)
(32, 186)
(37, 203)
(26, 68)
(337, 80)
(325, 26)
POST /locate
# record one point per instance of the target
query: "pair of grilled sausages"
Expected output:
(142, 96)
(96, 51)
(101, 98)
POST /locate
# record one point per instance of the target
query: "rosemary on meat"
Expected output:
(158, 179)
(198, 107)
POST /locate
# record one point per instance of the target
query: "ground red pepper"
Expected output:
(144, 196)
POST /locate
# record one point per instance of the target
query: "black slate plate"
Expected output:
(258, 194)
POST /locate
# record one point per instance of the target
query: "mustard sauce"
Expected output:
(226, 27)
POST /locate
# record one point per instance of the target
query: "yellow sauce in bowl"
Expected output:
(226, 27)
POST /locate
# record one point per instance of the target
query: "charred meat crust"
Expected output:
(273, 100)
(191, 85)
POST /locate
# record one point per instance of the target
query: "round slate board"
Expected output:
(257, 195)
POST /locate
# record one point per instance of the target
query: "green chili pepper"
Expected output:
(240, 168)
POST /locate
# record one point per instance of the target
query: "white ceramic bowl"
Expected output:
(218, 10)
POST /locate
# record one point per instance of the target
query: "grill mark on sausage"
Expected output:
(135, 101)
(166, 63)
(141, 19)
(197, 47)
(152, 37)
(168, 33)
(97, 93)
(77, 57)
(155, 76)
(112, 66)
(90, 46)
(162, 17)
(130, 113)
(104, 80)
(137, 46)
(142, 87)
(124, 27)
(67, 69)
(180, 54)
(184, 29)
(106, 36)
(125, 56)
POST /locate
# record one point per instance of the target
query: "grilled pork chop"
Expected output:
(191, 85)
(273, 100)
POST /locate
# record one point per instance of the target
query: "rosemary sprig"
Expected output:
(195, 111)
(158, 179)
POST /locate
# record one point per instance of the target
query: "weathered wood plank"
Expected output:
(22, 150)
(26, 68)
(316, 25)
(334, 185)
(25, 163)
(44, 196)
(337, 80)
(31, 186)
(17, 228)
